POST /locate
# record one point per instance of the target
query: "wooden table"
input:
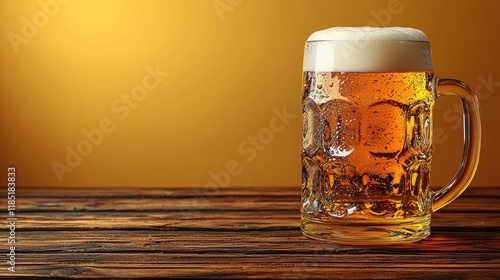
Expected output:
(231, 232)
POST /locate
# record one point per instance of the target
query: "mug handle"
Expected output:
(472, 139)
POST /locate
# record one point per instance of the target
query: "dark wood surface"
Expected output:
(231, 233)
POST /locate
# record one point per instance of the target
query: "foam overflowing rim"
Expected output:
(367, 33)
(368, 49)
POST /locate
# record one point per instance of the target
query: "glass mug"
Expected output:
(367, 136)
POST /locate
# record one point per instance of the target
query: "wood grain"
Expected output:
(111, 233)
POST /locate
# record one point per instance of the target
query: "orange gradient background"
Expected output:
(230, 63)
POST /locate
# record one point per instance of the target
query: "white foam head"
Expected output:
(368, 49)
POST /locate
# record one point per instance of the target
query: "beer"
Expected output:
(367, 147)
(367, 136)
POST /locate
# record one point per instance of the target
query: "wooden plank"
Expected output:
(216, 221)
(243, 233)
(146, 192)
(261, 271)
(222, 202)
(116, 192)
(253, 242)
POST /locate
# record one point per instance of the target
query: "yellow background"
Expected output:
(230, 63)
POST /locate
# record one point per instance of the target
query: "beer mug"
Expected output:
(367, 109)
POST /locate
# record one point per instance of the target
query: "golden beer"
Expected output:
(366, 155)
(366, 149)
